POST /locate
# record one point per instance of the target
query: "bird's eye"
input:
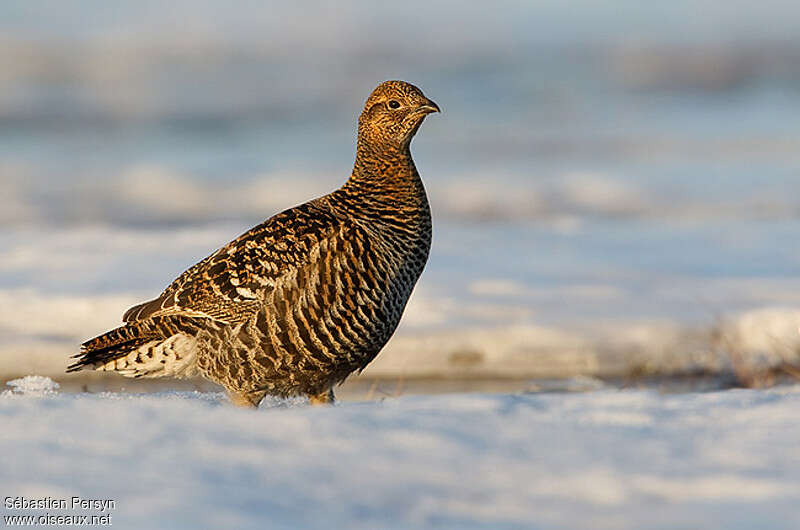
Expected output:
(394, 104)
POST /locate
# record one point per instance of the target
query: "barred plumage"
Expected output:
(296, 304)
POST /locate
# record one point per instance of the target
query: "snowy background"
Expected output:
(614, 191)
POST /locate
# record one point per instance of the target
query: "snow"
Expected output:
(606, 459)
(33, 385)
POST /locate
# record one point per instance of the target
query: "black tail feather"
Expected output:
(111, 345)
(91, 358)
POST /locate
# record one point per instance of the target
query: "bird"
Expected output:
(296, 304)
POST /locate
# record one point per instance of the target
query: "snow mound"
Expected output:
(32, 385)
(768, 336)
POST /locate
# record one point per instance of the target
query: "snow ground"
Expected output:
(609, 459)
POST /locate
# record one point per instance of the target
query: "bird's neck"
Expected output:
(387, 170)
(386, 190)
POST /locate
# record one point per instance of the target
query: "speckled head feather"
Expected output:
(392, 115)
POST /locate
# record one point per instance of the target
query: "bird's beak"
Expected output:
(429, 107)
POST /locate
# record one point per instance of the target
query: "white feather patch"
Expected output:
(175, 356)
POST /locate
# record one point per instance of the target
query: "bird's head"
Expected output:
(393, 113)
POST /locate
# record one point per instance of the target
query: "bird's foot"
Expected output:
(323, 398)
(246, 399)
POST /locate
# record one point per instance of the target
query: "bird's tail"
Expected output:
(154, 347)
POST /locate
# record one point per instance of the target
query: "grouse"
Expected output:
(301, 301)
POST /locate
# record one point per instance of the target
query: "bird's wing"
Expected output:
(230, 284)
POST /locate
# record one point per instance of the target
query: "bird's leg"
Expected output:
(248, 400)
(323, 398)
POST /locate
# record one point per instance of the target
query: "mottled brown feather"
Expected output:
(296, 304)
